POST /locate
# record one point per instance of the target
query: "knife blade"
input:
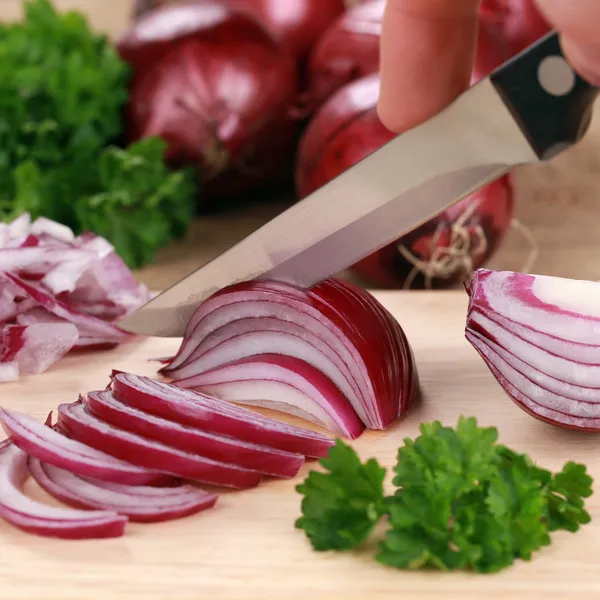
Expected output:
(530, 109)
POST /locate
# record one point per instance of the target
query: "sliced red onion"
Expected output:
(9, 371)
(35, 348)
(58, 308)
(337, 328)
(539, 337)
(143, 504)
(281, 383)
(28, 515)
(188, 439)
(80, 424)
(55, 230)
(43, 442)
(214, 416)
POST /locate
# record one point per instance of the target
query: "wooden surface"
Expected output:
(247, 547)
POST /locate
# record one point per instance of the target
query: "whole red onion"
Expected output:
(297, 23)
(506, 28)
(348, 49)
(217, 87)
(443, 251)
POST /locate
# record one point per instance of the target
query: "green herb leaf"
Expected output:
(143, 205)
(342, 507)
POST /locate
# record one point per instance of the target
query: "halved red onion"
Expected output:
(43, 442)
(214, 416)
(337, 328)
(80, 424)
(143, 504)
(35, 348)
(34, 517)
(283, 383)
(539, 337)
(189, 439)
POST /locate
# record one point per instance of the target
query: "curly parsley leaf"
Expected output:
(462, 501)
(341, 507)
(142, 204)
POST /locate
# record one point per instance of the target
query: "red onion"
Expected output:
(34, 517)
(296, 23)
(210, 415)
(336, 329)
(217, 87)
(83, 426)
(539, 337)
(442, 252)
(348, 50)
(506, 27)
(43, 442)
(188, 439)
(138, 503)
(58, 293)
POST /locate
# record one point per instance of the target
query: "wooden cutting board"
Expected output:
(247, 547)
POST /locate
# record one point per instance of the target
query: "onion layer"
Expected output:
(211, 415)
(336, 328)
(139, 503)
(442, 252)
(218, 88)
(43, 442)
(80, 424)
(539, 337)
(24, 513)
(189, 439)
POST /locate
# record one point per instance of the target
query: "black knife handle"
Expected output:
(556, 110)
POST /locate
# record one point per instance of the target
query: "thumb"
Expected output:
(578, 23)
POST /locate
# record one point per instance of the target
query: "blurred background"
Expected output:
(238, 108)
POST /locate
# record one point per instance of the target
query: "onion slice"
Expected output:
(336, 328)
(211, 415)
(539, 337)
(43, 442)
(189, 439)
(144, 504)
(79, 423)
(273, 380)
(50, 521)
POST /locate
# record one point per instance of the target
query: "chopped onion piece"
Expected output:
(9, 371)
(218, 447)
(540, 337)
(43, 442)
(79, 423)
(140, 503)
(35, 348)
(50, 521)
(271, 380)
(211, 415)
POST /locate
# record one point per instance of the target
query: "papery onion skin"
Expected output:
(218, 88)
(444, 251)
(227, 449)
(348, 50)
(82, 425)
(165, 504)
(538, 336)
(209, 414)
(49, 521)
(362, 350)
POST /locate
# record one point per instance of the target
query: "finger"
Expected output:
(578, 22)
(427, 53)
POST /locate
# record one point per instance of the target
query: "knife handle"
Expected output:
(550, 101)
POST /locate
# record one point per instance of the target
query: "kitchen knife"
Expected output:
(530, 109)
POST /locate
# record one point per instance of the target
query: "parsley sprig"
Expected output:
(462, 501)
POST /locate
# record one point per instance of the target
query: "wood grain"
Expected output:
(247, 547)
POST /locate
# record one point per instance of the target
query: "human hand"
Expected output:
(428, 48)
